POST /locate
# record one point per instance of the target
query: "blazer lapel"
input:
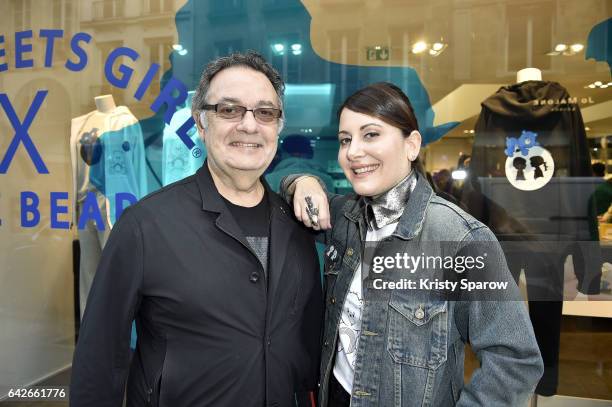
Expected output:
(213, 202)
(281, 228)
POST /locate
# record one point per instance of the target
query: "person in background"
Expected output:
(444, 181)
(600, 201)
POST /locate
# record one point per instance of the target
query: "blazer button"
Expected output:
(333, 300)
(254, 277)
(326, 344)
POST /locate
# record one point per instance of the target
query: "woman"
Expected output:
(385, 346)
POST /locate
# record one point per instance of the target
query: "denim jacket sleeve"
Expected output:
(500, 333)
(336, 202)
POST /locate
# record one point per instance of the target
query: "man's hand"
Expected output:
(314, 211)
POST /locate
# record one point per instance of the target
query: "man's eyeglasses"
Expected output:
(264, 115)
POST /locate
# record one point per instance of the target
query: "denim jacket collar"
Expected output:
(411, 221)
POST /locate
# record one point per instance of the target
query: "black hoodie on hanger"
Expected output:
(546, 224)
(542, 107)
(558, 211)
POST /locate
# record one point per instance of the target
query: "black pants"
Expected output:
(544, 275)
(338, 397)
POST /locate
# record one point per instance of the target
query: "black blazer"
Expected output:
(211, 330)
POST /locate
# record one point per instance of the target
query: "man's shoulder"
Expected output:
(176, 196)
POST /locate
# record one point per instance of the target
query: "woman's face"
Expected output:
(374, 155)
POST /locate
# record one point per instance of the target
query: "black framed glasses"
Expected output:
(228, 111)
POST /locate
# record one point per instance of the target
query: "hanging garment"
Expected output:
(530, 181)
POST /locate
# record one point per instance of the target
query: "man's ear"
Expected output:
(413, 142)
(281, 124)
(197, 117)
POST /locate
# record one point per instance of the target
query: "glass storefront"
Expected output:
(96, 97)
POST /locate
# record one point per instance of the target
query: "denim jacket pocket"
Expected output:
(418, 332)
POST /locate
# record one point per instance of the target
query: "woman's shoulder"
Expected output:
(346, 203)
(449, 217)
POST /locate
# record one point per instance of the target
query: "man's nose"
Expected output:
(248, 124)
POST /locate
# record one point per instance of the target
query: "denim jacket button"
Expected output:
(419, 313)
(349, 251)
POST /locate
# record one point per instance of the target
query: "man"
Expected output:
(223, 284)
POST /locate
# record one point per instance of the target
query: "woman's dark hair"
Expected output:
(388, 103)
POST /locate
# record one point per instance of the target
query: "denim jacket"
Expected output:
(411, 348)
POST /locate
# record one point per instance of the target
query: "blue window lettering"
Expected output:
(29, 205)
(21, 132)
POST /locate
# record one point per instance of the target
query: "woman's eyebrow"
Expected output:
(341, 132)
(369, 124)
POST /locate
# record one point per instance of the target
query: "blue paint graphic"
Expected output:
(599, 43)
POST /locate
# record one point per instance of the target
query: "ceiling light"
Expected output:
(576, 47)
(603, 86)
(278, 47)
(597, 83)
(182, 52)
(177, 47)
(437, 46)
(560, 47)
(296, 52)
(592, 86)
(459, 174)
(296, 47)
(419, 47)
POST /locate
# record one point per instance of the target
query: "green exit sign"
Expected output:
(377, 53)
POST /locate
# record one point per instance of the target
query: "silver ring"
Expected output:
(312, 211)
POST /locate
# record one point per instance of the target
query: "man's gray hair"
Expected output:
(251, 60)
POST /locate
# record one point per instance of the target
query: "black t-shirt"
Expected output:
(255, 224)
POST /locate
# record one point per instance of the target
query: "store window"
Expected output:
(104, 9)
(157, 6)
(530, 28)
(22, 12)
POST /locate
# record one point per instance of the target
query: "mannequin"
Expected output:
(528, 74)
(105, 103)
(538, 147)
(95, 157)
(85, 151)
